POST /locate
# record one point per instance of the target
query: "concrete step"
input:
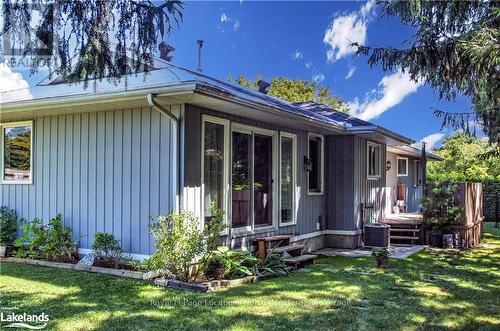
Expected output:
(300, 260)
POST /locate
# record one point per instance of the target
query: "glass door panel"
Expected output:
(263, 180)
(241, 180)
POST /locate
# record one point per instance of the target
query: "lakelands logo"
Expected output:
(28, 321)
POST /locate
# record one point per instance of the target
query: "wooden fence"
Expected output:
(470, 229)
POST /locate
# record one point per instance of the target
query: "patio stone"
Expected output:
(396, 252)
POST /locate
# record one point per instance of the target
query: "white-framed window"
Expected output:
(215, 149)
(16, 154)
(316, 168)
(373, 160)
(417, 173)
(402, 166)
(288, 179)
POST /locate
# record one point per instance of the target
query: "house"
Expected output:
(112, 156)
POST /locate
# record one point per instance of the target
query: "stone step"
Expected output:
(296, 260)
(287, 248)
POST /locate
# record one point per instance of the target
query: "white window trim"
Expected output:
(227, 157)
(252, 229)
(322, 165)
(294, 179)
(397, 166)
(417, 173)
(379, 175)
(2, 178)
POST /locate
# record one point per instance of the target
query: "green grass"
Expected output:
(433, 289)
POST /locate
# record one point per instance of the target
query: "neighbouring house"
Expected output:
(113, 156)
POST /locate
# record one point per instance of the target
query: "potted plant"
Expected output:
(8, 222)
(381, 255)
(439, 210)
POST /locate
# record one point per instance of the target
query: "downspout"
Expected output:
(176, 171)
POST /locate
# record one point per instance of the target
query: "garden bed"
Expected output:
(137, 275)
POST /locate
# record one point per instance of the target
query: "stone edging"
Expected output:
(78, 267)
(168, 283)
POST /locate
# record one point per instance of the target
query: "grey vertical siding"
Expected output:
(368, 190)
(310, 208)
(348, 185)
(340, 185)
(104, 171)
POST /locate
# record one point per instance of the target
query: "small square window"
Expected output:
(16, 158)
(402, 166)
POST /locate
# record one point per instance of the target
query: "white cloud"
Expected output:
(13, 81)
(367, 9)
(345, 30)
(430, 140)
(224, 18)
(350, 72)
(297, 55)
(392, 89)
(236, 25)
(308, 65)
(318, 78)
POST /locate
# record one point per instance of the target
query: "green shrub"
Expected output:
(274, 264)
(32, 241)
(237, 264)
(491, 194)
(178, 242)
(52, 242)
(440, 207)
(8, 223)
(107, 250)
(381, 255)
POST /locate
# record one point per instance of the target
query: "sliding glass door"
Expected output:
(250, 173)
(252, 177)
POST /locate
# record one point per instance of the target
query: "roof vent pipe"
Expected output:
(200, 45)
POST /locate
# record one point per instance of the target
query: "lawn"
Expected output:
(433, 289)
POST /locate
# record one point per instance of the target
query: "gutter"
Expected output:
(385, 132)
(176, 137)
(216, 93)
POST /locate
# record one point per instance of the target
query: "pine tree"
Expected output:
(455, 50)
(83, 33)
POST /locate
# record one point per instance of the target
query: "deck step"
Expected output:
(287, 248)
(300, 259)
(404, 237)
(405, 230)
(274, 238)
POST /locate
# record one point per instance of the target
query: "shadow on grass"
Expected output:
(430, 290)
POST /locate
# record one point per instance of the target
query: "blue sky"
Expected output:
(310, 40)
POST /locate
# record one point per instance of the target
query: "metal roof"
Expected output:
(168, 75)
